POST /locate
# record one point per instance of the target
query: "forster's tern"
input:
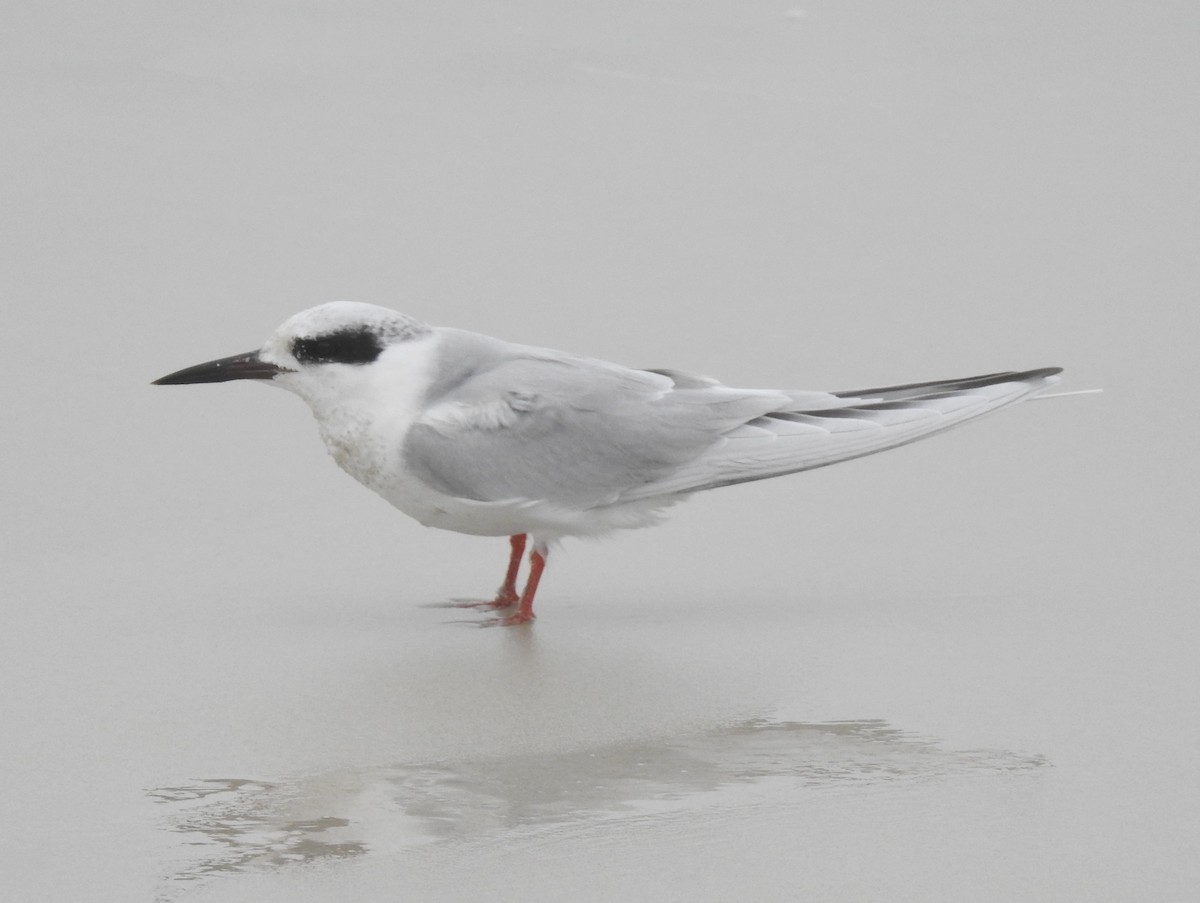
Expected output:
(477, 435)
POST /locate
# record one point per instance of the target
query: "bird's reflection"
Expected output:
(242, 825)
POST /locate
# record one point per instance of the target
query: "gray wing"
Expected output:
(817, 429)
(513, 422)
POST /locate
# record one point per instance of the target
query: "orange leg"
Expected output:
(507, 594)
(524, 612)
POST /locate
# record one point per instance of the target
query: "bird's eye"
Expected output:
(347, 346)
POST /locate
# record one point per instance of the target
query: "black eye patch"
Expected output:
(348, 346)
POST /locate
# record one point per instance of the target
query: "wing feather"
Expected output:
(512, 422)
(771, 446)
(540, 425)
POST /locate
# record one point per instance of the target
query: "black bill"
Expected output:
(240, 366)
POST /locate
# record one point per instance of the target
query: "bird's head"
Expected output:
(320, 353)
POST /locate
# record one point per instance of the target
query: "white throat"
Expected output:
(363, 412)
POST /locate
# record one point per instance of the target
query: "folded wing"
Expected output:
(818, 429)
(522, 423)
(538, 425)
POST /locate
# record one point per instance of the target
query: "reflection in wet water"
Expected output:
(242, 824)
(246, 825)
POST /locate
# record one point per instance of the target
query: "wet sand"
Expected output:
(963, 670)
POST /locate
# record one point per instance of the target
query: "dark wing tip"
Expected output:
(951, 385)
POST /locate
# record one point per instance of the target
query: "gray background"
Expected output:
(961, 670)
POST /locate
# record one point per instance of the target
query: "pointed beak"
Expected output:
(240, 366)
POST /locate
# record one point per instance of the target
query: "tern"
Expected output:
(470, 433)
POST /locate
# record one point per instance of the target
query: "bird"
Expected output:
(478, 435)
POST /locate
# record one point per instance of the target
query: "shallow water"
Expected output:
(963, 670)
